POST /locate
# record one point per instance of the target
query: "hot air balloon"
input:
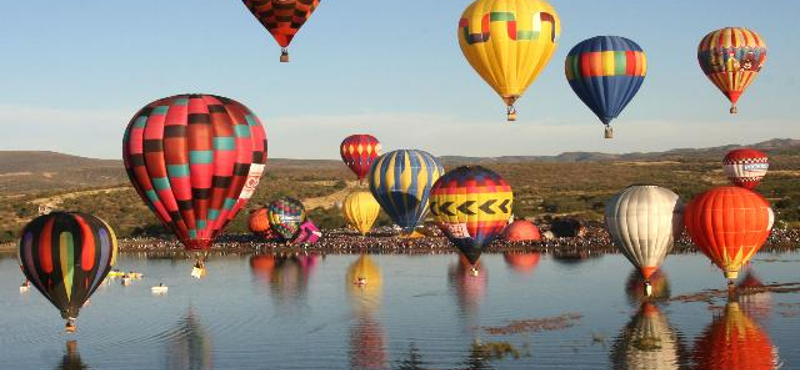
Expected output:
(471, 206)
(643, 221)
(522, 231)
(282, 18)
(606, 72)
(360, 209)
(745, 167)
(648, 342)
(286, 214)
(358, 152)
(731, 58)
(729, 224)
(195, 160)
(66, 256)
(509, 42)
(401, 181)
(733, 341)
(258, 223)
(308, 233)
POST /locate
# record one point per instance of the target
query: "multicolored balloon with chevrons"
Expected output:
(606, 72)
(195, 160)
(731, 58)
(401, 182)
(66, 256)
(285, 215)
(358, 152)
(472, 206)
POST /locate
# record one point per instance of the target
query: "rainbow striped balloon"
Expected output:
(606, 72)
(66, 256)
(401, 182)
(731, 58)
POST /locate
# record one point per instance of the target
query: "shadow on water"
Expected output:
(734, 341)
(367, 336)
(189, 345)
(287, 276)
(522, 263)
(648, 341)
(72, 358)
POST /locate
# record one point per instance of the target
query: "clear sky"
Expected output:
(74, 72)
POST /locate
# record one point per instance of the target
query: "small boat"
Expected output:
(159, 289)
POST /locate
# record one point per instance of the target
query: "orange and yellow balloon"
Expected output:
(509, 42)
(731, 58)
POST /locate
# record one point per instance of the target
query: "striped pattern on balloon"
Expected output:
(745, 167)
(401, 182)
(731, 58)
(66, 256)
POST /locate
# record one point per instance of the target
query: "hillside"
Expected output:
(566, 184)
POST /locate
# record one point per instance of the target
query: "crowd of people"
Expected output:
(593, 239)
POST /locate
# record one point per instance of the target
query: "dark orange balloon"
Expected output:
(522, 231)
(262, 265)
(729, 224)
(258, 223)
(282, 18)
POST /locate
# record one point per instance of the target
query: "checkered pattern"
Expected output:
(282, 18)
(745, 167)
(472, 206)
(195, 160)
(358, 152)
(285, 217)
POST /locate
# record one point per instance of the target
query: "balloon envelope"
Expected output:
(643, 221)
(308, 233)
(360, 209)
(358, 152)
(401, 182)
(282, 18)
(66, 256)
(509, 42)
(606, 72)
(734, 341)
(731, 58)
(286, 214)
(745, 167)
(195, 160)
(472, 206)
(258, 223)
(522, 231)
(729, 224)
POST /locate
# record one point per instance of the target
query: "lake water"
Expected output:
(415, 312)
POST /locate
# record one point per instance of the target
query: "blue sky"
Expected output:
(74, 72)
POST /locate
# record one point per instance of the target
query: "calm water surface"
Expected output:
(415, 312)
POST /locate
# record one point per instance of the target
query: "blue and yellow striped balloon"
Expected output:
(401, 182)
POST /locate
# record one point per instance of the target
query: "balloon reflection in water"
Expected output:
(648, 342)
(190, 345)
(367, 335)
(469, 288)
(635, 289)
(524, 263)
(286, 275)
(754, 301)
(734, 341)
(72, 358)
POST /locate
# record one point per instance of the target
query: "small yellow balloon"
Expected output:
(360, 209)
(509, 42)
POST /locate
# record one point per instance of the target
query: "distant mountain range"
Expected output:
(37, 171)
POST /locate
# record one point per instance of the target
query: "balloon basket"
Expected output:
(284, 56)
(609, 134)
(734, 109)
